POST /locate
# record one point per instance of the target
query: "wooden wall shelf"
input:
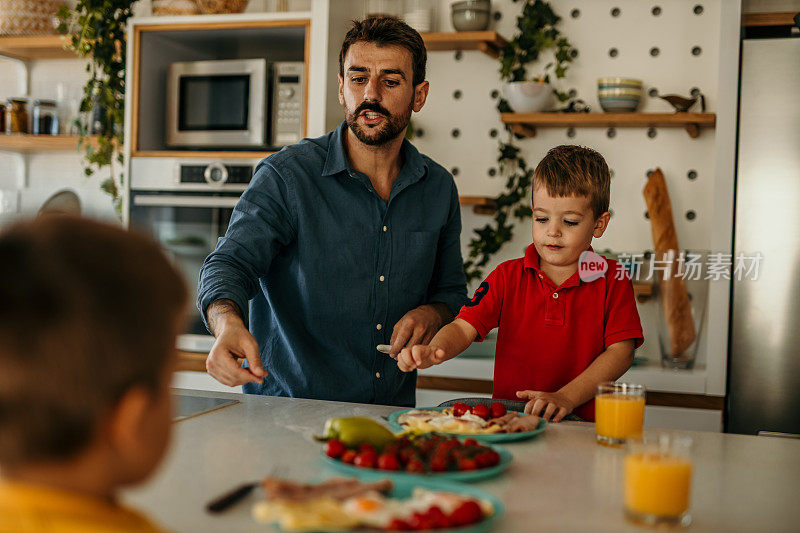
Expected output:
(33, 47)
(190, 154)
(481, 205)
(488, 42)
(785, 18)
(525, 124)
(28, 144)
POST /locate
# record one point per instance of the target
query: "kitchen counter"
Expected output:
(560, 481)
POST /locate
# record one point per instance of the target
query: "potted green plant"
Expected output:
(96, 30)
(536, 33)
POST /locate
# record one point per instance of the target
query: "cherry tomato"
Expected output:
(467, 513)
(466, 463)
(388, 461)
(419, 522)
(439, 464)
(365, 459)
(470, 442)
(460, 408)
(349, 456)
(481, 410)
(398, 525)
(366, 447)
(437, 517)
(415, 465)
(335, 448)
(497, 410)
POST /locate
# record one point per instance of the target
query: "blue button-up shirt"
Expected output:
(328, 268)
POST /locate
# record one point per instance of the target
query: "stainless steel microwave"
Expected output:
(234, 104)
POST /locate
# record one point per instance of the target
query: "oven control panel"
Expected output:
(215, 174)
(287, 102)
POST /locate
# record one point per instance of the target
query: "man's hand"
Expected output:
(555, 405)
(418, 326)
(419, 356)
(233, 340)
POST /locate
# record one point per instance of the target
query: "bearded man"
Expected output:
(340, 244)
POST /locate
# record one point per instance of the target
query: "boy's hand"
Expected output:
(419, 356)
(554, 404)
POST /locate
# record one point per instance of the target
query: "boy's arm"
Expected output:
(608, 366)
(450, 341)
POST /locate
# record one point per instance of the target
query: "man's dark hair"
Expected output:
(387, 31)
(88, 311)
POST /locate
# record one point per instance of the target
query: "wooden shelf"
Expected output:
(642, 291)
(28, 144)
(189, 154)
(488, 42)
(768, 19)
(481, 205)
(525, 124)
(32, 47)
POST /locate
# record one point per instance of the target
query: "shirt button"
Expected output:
(541, 277)
(382, 278)
(378, 327)
(385, 228)
(555, 295)
(378, 375)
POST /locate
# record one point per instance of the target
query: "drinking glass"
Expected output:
(619, 412)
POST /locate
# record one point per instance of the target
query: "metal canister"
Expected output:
(45, 119)
(2, 117)
(16, 116)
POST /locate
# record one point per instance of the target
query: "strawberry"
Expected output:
(497, 410)
(460, 409)
(481, 410)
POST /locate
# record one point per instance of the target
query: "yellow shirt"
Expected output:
(37, 509)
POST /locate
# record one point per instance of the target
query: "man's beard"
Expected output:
(381, 134)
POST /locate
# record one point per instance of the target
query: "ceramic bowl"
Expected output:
(470, 19)
(616, 82)
(529, 96)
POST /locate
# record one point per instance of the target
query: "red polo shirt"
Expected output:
(549, 335)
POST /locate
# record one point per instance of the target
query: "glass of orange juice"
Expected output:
(619, 412)
(658, 480)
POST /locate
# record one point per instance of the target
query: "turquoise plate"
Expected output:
(404, 487)
(467, 475)
(492, 437)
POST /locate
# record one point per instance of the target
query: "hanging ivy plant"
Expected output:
(536, 33)
(96, 30)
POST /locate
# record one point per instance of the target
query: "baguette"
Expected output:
(674, 297)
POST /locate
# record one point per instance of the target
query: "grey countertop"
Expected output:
(559, 481)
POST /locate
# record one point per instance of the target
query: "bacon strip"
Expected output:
(522, 423)
(337, 488)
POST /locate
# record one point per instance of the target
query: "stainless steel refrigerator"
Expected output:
(764, 359)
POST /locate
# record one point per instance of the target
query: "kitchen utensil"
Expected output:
(384, 348)
(394, 425)
(511, 405)
(237, 494)
(228, 499)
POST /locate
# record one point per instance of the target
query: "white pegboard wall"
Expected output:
(673, 49)
(635, 32)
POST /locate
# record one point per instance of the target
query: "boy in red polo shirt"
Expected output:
(565, 324)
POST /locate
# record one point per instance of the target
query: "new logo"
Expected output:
(591, 266)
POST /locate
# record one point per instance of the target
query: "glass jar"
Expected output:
(16, 116)
(45, 119)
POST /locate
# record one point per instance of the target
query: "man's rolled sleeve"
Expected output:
(449, 284)
(261, 224)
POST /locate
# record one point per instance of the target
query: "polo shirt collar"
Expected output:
(531, 260)
(414, 166)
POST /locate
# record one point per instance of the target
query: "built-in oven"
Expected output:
(187, 206)
(239, 103)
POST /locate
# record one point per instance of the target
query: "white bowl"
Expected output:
(529, 96)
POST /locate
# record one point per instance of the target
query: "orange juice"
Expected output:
(618, 417)
(657, 485)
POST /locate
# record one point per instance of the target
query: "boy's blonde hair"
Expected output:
(87, 311)
(570, 170)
